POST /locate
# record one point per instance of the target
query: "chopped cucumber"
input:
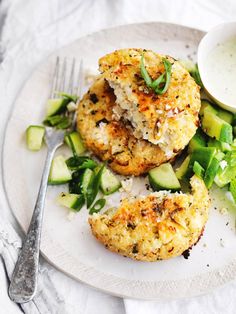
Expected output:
(87, 177)
(163, 178)
(232, 188)
(198, 169)
(224, 176)
(93, 187)
(206, 105)
(59, 172)
(56, 106)
(224, 147)
(34, 137)
(226, 115)
(203, 156)
(219, 155)
(74, 141)
(182, 170)
(109, 182)
(197, 141)
(211, 172)
(73, 201)
(217, 128)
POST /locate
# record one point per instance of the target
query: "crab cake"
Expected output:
(112, 140)
(169, 120)
(159, 226)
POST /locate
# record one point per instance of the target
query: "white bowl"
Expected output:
(218, 35)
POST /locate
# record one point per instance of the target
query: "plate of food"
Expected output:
(140, 200)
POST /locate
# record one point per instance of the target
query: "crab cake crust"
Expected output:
(159, 226)
(169, 120)
(112, 140)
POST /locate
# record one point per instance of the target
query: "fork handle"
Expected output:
(24, 279)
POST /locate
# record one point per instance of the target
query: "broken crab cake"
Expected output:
(112, 140)
(159, 226)
(169, 120)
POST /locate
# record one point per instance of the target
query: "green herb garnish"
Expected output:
(80, 162)
(99, 204)
(58, 121)
(93, 187)
(161, 84)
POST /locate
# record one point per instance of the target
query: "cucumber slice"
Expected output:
(224, 176)
(198, 169)
(34, 137)
(197, 141)
(217, 128)
(224, 147)
(203, 155)
(214, 143)
(206, 105)
(226, 116)
(163, 178)
(74, 141)
(87, 177)
(59, 172)
(219, 155)
(211, 172)
(182, 170)
(56, 106)
(232, 188)
(72, 201)
(109, 182)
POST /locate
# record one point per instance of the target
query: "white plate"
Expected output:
(69, 245)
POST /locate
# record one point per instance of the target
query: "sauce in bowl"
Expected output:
(220, 69)
(217, 64)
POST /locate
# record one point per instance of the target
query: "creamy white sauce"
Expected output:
(220, 68)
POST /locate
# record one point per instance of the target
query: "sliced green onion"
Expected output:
(164, 78)
(99, 204)
(72, 145)
(93, 187)
(58, 121)
(144, 73)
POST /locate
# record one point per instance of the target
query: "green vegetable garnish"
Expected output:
(161, 84)
(58, 121)
(80, 162)
(99, 204)
(93, 187)
(144, 73)
(70, 97)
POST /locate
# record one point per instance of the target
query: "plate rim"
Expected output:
(113, 284)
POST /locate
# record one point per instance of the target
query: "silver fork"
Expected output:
(23, 284)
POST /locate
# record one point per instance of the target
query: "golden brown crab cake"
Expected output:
(159, 226)
(169, 120)
(112, 140)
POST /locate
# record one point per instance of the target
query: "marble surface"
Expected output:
(31, 31)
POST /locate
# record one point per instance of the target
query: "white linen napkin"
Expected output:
(32, 30)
